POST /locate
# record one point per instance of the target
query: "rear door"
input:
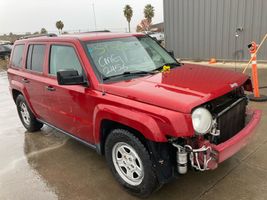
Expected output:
(70, 107)
(34, 76)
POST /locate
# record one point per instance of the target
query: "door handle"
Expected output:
(25, 80)
(50, 88)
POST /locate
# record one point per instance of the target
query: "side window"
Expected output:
(17, 56)
(35, 57)
(29, 57)
(63, 58)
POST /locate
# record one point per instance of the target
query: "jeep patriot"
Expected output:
(125, 96)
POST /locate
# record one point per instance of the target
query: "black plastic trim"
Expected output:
(92, 146)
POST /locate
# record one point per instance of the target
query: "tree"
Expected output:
(60, 26)
(144, 25)
(149, 12)
(43, 31)
(128, 13)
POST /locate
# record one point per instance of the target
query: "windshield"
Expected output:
(117, 56)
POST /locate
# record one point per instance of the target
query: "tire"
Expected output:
(26, 116)
(125, 153)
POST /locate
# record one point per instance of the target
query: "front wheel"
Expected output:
(130, 163)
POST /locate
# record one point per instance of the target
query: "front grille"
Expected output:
(231, 122)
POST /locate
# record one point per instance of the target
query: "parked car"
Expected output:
(126, 97)
(158, 36)
(5, 51)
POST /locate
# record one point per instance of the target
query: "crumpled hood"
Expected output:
(181, 89)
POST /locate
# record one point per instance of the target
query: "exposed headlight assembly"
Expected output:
(202, 120)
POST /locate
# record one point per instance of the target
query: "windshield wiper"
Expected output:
(174, 64)
(128, 73)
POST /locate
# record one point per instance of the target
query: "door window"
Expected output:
(35, 57)
(63, 58)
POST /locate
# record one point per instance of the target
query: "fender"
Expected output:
(16, 85)
(142, 122)
(147, 126)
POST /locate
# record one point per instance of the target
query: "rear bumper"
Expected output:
(230, 147)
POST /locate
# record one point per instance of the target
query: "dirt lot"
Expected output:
(49, 165)
(3, 64)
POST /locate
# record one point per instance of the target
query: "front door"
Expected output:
(70, 107)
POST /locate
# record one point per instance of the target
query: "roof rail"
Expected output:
(38, 35)
(101, 31)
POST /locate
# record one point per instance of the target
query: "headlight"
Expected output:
(202, 120)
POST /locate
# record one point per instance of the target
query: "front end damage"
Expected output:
(232, 126)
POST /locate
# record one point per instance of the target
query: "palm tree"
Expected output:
(128, 13)
(60, 26)
(43, 31)
(149, 12)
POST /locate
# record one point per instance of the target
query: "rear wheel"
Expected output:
(26, 116)
(130, 163)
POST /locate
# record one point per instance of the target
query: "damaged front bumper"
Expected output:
(209, 155)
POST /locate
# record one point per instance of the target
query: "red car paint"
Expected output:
(157, 105)
(180, 90)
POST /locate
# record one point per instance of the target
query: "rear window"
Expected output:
(17, 56)
(35, 57)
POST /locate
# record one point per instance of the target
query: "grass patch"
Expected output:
(3, 64)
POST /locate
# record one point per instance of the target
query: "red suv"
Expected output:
(128, 98)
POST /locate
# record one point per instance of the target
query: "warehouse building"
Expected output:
(221, 29)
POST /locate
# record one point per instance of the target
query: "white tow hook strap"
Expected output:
(194, 157)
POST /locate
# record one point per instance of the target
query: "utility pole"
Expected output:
(93, 5)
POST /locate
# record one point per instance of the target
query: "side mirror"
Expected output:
(70, 77)
(171, 53)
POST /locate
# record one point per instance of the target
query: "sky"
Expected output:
(21, 16)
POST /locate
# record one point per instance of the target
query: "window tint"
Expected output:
(63, 58)
(35, 57)
(17, 56)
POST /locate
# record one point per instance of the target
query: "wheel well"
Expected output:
(15, 94)
(163, 155)
(108, 125)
